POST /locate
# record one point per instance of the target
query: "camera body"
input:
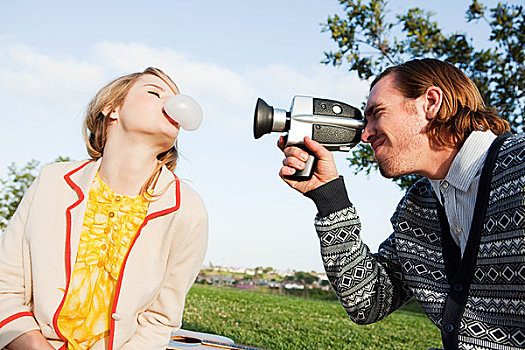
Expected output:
(334, 124)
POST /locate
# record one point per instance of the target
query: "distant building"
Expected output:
(293, 285)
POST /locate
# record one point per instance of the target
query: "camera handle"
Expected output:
(306, 173)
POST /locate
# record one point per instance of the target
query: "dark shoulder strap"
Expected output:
(480, 208)
(460, 280)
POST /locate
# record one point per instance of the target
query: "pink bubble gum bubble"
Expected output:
(185, 111)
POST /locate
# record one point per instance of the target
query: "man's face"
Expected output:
(396, 130)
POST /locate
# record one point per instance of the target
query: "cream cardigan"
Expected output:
(39, 247)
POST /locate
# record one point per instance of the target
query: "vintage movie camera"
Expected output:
(336, 125)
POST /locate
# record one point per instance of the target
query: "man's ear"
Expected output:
(433, 100)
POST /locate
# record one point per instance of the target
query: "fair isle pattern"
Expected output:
(410, 262)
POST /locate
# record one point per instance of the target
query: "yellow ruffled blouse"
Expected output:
(110, 224)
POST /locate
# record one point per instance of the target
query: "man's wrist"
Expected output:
(330, 197)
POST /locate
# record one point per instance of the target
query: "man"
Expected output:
(458, 241)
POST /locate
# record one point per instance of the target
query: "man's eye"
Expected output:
(154, 93)
(375, 116)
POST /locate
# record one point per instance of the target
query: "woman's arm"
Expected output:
(16, 317)
(30, 340)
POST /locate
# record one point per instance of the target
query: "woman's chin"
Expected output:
(165, 146)
(169, 134)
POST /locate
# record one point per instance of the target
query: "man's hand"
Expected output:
(324, 172)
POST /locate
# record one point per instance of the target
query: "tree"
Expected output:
(305, 277)
(367, 44)
(12, 189)
(268, 269)
(15, 185)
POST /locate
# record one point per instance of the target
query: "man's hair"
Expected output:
(462, 110)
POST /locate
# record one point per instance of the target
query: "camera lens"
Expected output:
(263, 119)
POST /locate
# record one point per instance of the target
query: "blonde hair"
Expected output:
(463, 109)
(96, 124)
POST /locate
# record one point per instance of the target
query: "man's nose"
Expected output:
(367, 134)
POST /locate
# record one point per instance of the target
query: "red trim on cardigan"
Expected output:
(67, 254)
(14, 317)
(119, 281)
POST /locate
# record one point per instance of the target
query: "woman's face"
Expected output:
(142, 113)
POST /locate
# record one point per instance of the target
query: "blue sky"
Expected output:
(55, 55)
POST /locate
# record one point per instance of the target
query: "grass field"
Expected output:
(284, 322)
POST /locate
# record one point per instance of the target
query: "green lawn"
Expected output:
(284, 322)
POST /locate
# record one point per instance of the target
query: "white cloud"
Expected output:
(279, 81)
(44, 79)
(193, 76)
(71, 81)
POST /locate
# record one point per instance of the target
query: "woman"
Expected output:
(101, 253)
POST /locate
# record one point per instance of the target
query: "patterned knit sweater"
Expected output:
(477, 301)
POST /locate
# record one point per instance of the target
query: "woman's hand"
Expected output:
(30, 340)
(325, 170)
